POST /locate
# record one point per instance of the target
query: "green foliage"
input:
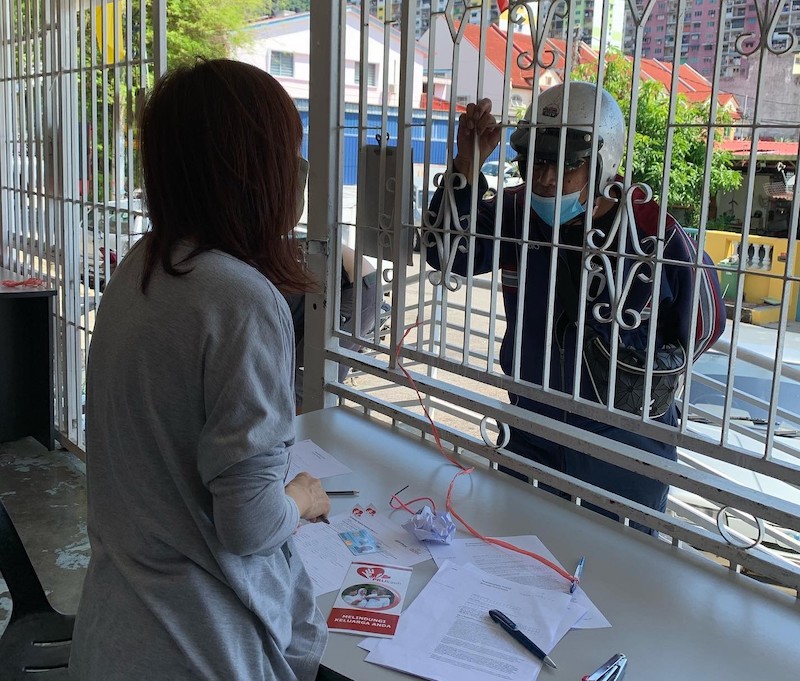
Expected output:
(272, 8)
(194, 28)
(724, 223)
(207, 29)
(689, 138)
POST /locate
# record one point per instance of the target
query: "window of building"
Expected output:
(712, 12)
(281, 64)
(372, 74)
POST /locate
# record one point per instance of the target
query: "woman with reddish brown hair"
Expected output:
(190, 403)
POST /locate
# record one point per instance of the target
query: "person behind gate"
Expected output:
(676, 333)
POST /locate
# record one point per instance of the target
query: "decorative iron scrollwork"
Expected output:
(504, 435)
(385, 218)
(518, 12)
(601, 245)
(768, 37)
(433, 235)
(733, 540)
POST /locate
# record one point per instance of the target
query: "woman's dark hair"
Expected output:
(220, 145)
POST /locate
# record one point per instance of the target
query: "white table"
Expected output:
(675, 615)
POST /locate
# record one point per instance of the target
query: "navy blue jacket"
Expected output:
(675, 297)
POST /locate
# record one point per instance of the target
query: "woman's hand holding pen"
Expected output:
(310, 497)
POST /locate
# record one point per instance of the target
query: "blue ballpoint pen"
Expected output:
(577, 575)
(516, 634)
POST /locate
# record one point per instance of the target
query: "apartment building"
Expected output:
(734, 27)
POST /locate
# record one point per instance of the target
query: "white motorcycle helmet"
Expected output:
(579, 125)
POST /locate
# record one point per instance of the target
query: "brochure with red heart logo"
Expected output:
(370, 600)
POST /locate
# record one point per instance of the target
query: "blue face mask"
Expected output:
(545, 207)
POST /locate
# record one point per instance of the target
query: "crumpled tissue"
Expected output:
(426, 525)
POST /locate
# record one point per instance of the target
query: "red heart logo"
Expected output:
(370, 572)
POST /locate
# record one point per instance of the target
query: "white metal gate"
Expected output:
(71, 76)
(734, 492)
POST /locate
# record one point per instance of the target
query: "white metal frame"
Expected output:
(49, 73)
(450, 341)
(53, 73)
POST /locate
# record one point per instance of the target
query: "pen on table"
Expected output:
(577, 575)
(342, 492)
(515, 633)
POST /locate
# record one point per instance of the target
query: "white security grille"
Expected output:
(735, 490)
(382, 142)
(72, 76)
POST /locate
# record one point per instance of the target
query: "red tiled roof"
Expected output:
(694, 86)
(438, 104)
(496, 42)
(584, 55)
(741, 148)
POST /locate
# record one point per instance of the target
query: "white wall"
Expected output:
(293, 35)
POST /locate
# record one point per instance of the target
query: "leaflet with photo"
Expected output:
(370, 600)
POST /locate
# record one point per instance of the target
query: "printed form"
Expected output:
(518, 568)
(446, 633)
(308, 456)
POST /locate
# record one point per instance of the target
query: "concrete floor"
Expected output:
(45, 495)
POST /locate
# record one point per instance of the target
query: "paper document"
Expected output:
(370, 600)
(327, 559)
(518, 568)
(446, 633)
(311, 458)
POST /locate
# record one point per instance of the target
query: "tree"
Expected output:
(208, 29)
(689, 140)
(272, 8)
(195, 28)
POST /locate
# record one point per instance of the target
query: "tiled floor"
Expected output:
(45, 495)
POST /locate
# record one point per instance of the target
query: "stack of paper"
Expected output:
(518, 568)
(446, 633)
(327, 558)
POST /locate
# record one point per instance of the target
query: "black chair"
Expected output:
(36, 644)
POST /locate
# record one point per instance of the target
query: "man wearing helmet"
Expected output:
(478, 135)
